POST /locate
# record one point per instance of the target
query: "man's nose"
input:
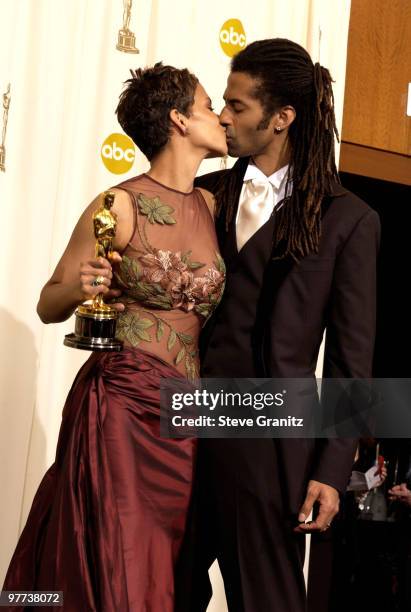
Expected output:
(225, 117)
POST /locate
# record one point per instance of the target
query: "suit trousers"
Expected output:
(241, 518)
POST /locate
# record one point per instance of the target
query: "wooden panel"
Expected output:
(378, 72)
(374, 163)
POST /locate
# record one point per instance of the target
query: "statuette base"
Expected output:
(127, 42)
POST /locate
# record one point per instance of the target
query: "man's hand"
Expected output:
(329, 502)
(400, 493)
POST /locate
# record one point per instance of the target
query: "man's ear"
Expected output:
(283, 118)
(179, 121)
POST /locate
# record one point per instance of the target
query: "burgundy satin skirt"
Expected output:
(107, 521)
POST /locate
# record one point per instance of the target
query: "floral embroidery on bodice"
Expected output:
(171, 275)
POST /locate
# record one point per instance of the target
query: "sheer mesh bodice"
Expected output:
(171, 275)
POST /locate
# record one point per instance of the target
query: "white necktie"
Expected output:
(255, 209)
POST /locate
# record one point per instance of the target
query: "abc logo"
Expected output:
(118, 153)
(232, 37)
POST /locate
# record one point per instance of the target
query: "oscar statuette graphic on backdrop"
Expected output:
(126, 39)
(6, 106)
(95, 327)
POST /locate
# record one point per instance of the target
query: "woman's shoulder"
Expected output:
(127, 192)
(131, 184)
(209, 199)
(212, 180)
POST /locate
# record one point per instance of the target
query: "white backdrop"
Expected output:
(65, 72)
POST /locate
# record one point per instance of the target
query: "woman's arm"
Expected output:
(70, 283)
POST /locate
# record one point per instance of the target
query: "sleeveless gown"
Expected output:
(107, 521)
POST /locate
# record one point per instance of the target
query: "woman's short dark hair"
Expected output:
(145, 104)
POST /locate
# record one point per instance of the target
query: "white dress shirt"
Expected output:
(275, 193)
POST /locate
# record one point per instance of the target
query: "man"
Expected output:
(300, 253)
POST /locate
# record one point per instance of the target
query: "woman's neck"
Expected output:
(175, 169)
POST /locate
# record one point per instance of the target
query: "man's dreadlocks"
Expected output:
(286, 75)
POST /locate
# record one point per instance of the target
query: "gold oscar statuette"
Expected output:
(6, 106)
(95, 326)
(126, 39)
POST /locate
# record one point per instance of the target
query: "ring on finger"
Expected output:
(98, 280)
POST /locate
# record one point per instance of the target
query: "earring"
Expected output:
(278, 130)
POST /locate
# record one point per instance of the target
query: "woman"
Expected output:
(107, 521)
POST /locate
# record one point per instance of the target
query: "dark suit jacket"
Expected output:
(333, 290)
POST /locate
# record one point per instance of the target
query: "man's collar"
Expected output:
(276, 179)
